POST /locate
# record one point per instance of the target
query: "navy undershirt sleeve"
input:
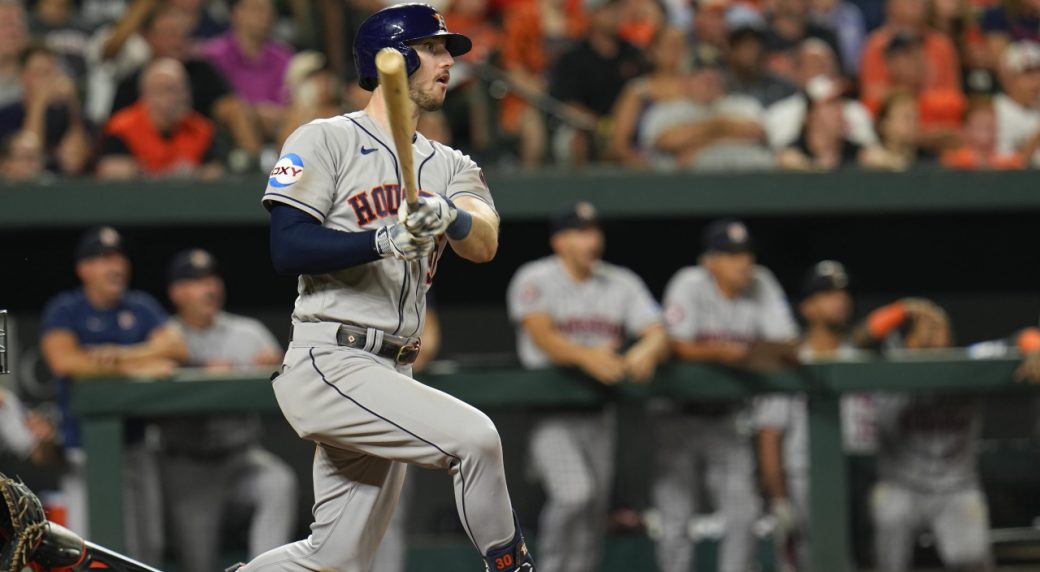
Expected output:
(300, 245)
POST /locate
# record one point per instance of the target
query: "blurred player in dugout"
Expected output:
(782, 420)
(104, 329)
(573, 309)
(927, 453)
(718, 312)
(214, 466)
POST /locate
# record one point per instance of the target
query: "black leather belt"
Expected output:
(401, 350)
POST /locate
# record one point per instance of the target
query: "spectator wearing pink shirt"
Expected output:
(253, 63)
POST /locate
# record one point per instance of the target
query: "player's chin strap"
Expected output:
(514, 557)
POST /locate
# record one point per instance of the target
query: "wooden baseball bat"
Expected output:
(394, 80)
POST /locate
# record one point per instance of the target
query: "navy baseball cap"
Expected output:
(192, 264)
(727, 235)
(578, 215)
(99, 241)
(825, 276)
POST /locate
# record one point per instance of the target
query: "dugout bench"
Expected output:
(104, 405)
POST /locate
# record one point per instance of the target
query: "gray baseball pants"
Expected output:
(958, 519)
(573, 455)
(689, 446)
(200, 491)
(368, 418)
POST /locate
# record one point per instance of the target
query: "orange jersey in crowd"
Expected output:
(524, 49)
(942, 71)
(188, 143)
(479, 29)
(967, 159)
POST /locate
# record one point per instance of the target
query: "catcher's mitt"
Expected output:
(22, 524)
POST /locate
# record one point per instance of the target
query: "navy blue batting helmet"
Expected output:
(396, 27)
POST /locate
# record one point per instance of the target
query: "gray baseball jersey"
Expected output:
(233, 339)
(928, 442)
(367, 415)
(573, 453)
(612, 305)
(695, 310)
(342, 172)
(790, 414)
(689, 442)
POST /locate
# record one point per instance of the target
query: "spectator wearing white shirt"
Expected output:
(784, 119)
(707, 129)
(1018, 108)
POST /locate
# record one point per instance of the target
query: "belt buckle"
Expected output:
(407, 353)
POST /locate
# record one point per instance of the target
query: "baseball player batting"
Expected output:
(340, 220)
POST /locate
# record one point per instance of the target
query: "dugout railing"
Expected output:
(104, 405)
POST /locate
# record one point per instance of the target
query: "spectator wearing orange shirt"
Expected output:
(979, 148)
(942, 69)
(160, 135)
(534, 35)
(940, 109)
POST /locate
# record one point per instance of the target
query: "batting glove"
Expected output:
(398, 242)
(432, 215)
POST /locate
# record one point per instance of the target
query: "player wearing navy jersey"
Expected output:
(103, 329)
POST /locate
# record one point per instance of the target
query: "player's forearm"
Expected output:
(560, 350)
(80, 365)
(696, 351)
(879, 324)
(481, 242)
(164, 344)
(654, 341)
(770, 459)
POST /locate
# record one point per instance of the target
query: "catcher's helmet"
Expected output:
(396, 27)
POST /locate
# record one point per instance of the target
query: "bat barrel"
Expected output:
(393, 81)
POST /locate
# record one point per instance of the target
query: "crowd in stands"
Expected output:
(121, 89)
